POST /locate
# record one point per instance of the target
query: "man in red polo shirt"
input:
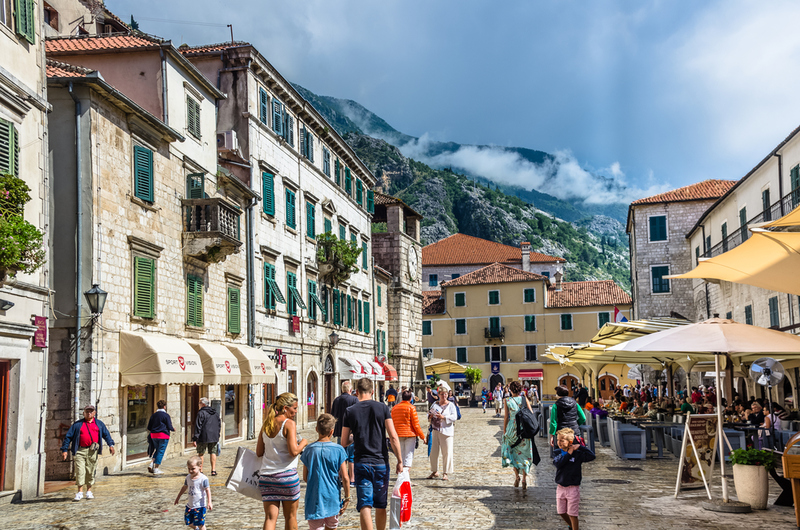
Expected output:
(85, 440)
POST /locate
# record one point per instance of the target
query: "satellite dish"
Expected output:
(766, 371)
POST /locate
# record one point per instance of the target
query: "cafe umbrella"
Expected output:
(716, 336)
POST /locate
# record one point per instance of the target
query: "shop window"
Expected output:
(141, 405)
(231, 411)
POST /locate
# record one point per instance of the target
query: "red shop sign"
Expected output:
(40, 335)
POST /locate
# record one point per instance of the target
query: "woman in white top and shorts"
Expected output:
(279, 448)
(442, 416)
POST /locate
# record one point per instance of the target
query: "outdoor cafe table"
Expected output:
(657, 427)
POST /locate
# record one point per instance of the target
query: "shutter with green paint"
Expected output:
(325, 312)
(461, 299)
(743, 223)
(366, 317)
(194, 309)
(487, 352)
(195, 183)
(360, 315)
(268, 180)
(503, 356)
(310, 220)
(234, 311)
(724, 230)
(765, 204)
(342, 232)
(379, 296)
(263, 106)
(269, 274)
(328, 225)
(144, 287)
(364, 261)
(9, 148)
(494, 325)
(193, 116)
(312, 309)
(384, 341)
(530, 296)
(349, 312)
(337, 310)
(348, 182)
(25, 20)
(530, 322)
(277, 117)
(370, 201)
(336, 173)
(310, 154)
(353, 240)
(143, 173)
(290, 217)
(795, 183)
(359, 192)
(288, 129)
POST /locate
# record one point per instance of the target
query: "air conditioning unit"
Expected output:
(226, 141)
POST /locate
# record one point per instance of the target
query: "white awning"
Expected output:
(255, 366)
(220, 366)
(351, 369)
(151, 359)
(377, 371)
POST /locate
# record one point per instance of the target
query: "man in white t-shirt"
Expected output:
(498, 399)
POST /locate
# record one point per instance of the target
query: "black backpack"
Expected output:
(527, 426)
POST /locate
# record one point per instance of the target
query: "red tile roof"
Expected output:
(582, 294)
(494, 273)
(432, 303)
(59, 69)
(61, 45)
(206, 48)
(707, 189)
(461, 249)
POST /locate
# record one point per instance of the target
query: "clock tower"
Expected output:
(398, 252)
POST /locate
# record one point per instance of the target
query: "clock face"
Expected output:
(413, 263)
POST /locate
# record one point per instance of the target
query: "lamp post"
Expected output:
(96, 298)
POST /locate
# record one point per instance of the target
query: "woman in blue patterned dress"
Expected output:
(520, 456)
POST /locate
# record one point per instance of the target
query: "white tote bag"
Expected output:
(244, 477)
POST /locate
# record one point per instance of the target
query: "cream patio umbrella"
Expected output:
(443, 366)
(715, 337)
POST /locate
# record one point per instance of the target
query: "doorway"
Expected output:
(311, 396)
(496, 378)
(5, 382)
(607, 384)
(292, 382)
(141, 405)
(570, 382)
(329, 384)
(191, 400)
(230, 410)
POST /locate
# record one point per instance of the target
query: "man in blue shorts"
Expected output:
(370, 422)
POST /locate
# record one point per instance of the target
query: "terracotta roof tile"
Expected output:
(205, 48)
(60, 45)
(581, 294)
(59, 69)
(494, 273)
(432, 303)
(461, 249)
(707, 189)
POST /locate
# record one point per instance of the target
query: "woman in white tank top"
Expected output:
(279, 449)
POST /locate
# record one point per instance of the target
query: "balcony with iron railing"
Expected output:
(777, 210)
(495, 333)
(211, 229)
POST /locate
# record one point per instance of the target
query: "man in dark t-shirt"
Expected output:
(370, 422)
(341, 404)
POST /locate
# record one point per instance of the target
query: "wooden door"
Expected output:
(606, 384)
(569, 382)
(311, 396)
(293, 382)
(330, 383)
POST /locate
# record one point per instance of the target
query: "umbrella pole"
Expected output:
(720, 432)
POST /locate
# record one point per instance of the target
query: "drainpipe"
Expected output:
(634, 283)
(780, 182)
(705, 283)
(251, 307)
(164, 85)
(78, 261)
(375, 345)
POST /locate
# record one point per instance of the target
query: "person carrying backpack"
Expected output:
(517, 451)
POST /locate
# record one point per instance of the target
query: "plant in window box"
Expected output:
(750, 467)
(20, 242)
(338, 258)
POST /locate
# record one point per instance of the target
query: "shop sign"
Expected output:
(495, 368)
(40, 335)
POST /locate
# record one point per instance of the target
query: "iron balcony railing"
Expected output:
(777, 210)
(211, 215)
(495, 333)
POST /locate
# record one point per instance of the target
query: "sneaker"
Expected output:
(157, 471)
(89, 495)
(78, 496)
(150, 467)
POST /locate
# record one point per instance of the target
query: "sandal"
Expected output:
(516, 482)
(433, 475)
(444, 477)
(213, 473)
(524, 485)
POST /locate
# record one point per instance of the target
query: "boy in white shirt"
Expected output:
(199, 492)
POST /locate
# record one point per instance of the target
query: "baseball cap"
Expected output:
(88, 407)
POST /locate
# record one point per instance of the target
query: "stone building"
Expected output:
(80, 17)
(767, 192)
(144, 214)
(657, 228)
(24, 307)
(460, 254)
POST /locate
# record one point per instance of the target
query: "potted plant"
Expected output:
(473, 376)
(337, 257)
(21, 244)
(750, 467)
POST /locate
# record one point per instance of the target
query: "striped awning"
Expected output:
(536, 373)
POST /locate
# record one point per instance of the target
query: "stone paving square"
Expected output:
(480, 495)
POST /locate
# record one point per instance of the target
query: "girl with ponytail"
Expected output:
(279, 449)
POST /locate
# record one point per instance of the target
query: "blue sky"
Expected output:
(659, 94)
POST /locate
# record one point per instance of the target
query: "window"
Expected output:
(454, 276)
(9, 148)
(194, 302)
(307, 144)
(288, 129)
(530, 322)
(546, 274)
(379, 297)
(342, 232)
(326, 161)
(494, 297)
(460, 299)
(290, 217)
(195, 185)
(348, 182)
(794, 182)
(724, 230)
(359, 192)
(277, 116)
(295, 299)
(353, 239)
(314, 302)
(427, 327)
(142, 173)
(708, 244)
(349, 312)
(337, 173)
(433, 280)
(144, 287)
(337, 308)
(697, 256)
(530, 352)
(234, 311)
(603, 319)
(272, 293)
(774, 316)
(268, 183)
(25, 19)
(765, 204)
(193, 117)
(370, 201)
(494, 326)
(529, 295)
(748, 315)
(658, 228)
(324, 297)
(328, 225)
(729, 315)
(660, 284)
(263, 106)
(743, 222)
(566, 322)
(461, 355)
(360, 316)
(366, 317)
(310, 220)
(461, 326)
(364, 258)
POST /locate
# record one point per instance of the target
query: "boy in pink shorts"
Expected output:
(568, 475)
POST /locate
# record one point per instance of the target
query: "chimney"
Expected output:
(558, 276)
(525, 246)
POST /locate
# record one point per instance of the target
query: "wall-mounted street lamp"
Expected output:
(334, 339)
(96, 298)
(5, 305)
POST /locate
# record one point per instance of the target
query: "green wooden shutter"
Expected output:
(503, 356)
(9, 148)
(370, 201)
(277, 117)
(194, 306)
(342, 232)
(461, 299)
(290, 217)
(364, 261)
(328, 225)
(143, 287)
(348, 182)
(366, 317)
(360, 315)
(195, 184)
(25, 20)
(379, 296)
(336, 172)
(269, 298)
(312, 309)
(325, 312)
(310, 220)
(143, 173)
(349, 312)
(359, 192)
(337, 309)
(268, 180)
(263, 111)
(487, 352)
(795, 183)
(234, 311)
(193, 116)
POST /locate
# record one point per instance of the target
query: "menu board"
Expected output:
(696, 462)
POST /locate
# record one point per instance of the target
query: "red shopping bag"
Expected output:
(405, 502)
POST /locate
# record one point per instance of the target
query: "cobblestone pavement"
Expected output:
(480, 495)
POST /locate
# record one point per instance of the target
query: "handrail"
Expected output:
(210, 215)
